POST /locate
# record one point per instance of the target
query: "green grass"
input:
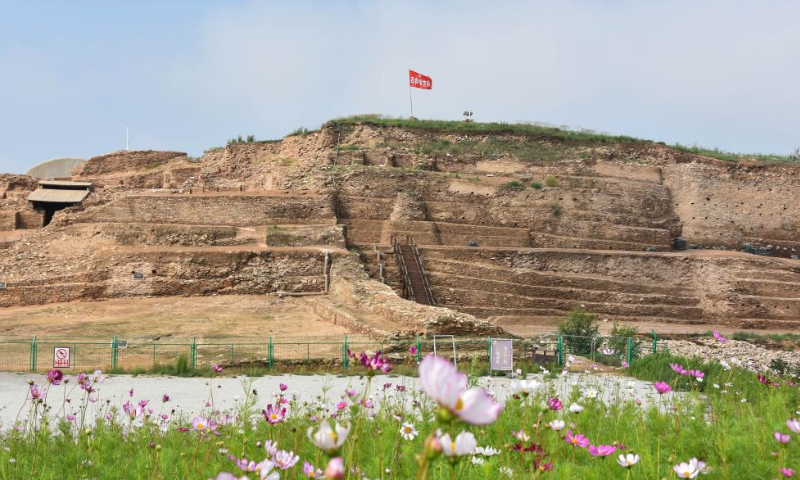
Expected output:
(734, 437)
(536, 185)
(527, 150)
(513, 185)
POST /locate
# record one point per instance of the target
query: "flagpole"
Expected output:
(410, 100)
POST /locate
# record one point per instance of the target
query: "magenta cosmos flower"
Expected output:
(274, 414)
(54, 376)
(216, 368)
(554, 404)
(662, 387)
(413, 350)
(375, 363)
(719, 337)
(601, 450)
(787, 472)
(576, 440)
(447, 386)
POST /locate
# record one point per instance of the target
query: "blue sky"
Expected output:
(187, 75)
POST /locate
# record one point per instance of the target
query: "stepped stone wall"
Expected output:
(237, 210)
(731, 205)
(177, 273)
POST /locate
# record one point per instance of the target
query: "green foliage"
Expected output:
(551, 181)
(620, 333)
(541, 132)
(555, 208)
(579, 326)
(453, 175)
(735, 157)
(240, 139)
(300, 132)
(536, 185)
(513, 185)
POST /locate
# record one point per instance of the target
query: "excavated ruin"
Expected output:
(497, 231)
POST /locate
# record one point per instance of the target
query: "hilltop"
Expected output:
(514, 225)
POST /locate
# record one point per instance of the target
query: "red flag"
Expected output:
(417, 80)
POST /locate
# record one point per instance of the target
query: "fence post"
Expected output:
(419, 350)
(114, 353)
(193, 353)
(655, 342)
(560, 350)
(33, 354)
(345, 357)
(629, 356)
(270, 354)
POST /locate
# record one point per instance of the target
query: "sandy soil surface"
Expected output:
(213, 317)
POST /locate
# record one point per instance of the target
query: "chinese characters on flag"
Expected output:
(417, 80)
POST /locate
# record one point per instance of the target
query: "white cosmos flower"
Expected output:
(506, 471)
(689, 470)
(328, 439)
(447, 386)
(464, 444)
(591, 393)
(557, 425)
(486, 451)
(408, 431)
(575, 408)
(627, 461)
(525, 387)
(477, 461)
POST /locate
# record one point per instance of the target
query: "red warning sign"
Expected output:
(61, 357)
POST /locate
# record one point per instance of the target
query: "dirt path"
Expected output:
(213, 317)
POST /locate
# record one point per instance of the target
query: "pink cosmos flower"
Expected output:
(625, 364)
(413, 350)
(216, 368)
(311, 472)
(787, 472)
(335, 469)
(204, 425)
(696, 374)
(678, 369)
(283, 387)
(165, 398)
(554, 404)
(274, 415)
(341, 405)
(351, 392)
(662, 387)
(782, 438)
(285, 460)
(793, 425)
(375, 363)
(36, 392)
(576, 440)
(601, 450)
(54, 376)
(719, 337)
(447, 386)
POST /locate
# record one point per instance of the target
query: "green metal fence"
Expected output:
(39, 354)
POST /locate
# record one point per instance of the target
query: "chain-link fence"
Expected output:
(275, 352)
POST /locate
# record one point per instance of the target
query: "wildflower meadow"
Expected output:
(659, 417)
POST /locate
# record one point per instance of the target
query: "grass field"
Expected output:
(728, 421)
(542, 132)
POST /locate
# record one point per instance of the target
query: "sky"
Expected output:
(187, 75)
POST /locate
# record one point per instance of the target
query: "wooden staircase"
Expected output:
(415, 284)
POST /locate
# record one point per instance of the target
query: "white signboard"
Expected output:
(61, 357)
